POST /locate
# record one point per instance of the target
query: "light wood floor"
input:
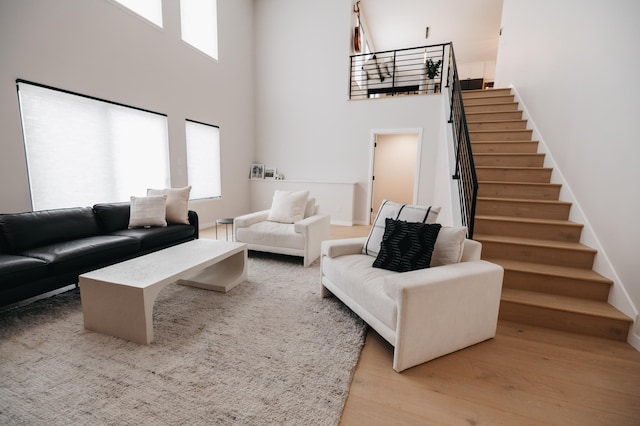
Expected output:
(524, 376)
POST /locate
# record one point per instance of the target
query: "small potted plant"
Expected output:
(433, 71)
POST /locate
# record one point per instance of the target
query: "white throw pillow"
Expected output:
(310, 208)
(288, 206)
(147, 211)
(177, 210)
(449, 245)
(396, 211)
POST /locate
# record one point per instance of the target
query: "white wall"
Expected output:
(305, 126)
(574, 64)
(98, 48)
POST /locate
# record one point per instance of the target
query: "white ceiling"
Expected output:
(472, 25)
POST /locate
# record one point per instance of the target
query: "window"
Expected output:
(81, 150)
(148, 9)
(199, 19)
(203, 159)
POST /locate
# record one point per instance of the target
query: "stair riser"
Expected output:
(535, 254)
(522, 209)
(509, 160)
(468, 94)
(497, 125)
(545, 231)
(514, 175)
(566, 321)
(488, 100)
(505, 135)
(504, 147)
(491, 107)
(563, 286)
(500, 115)
(527, 192)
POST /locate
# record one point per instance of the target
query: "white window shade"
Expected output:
(203, 160)
(199, 24)
(81, 151)
(148, 9)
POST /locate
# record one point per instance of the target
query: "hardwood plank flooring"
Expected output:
(526, 375)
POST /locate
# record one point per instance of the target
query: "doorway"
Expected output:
(394, 168)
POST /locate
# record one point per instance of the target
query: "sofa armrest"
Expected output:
(249, 219)
(443, 309)
(195, 222)
(315, 230)
(336, 248)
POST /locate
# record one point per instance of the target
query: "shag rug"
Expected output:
(272, 351)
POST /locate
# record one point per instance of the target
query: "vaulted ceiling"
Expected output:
(472, 25)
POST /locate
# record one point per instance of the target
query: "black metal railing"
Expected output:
(465, 170)
(415, 70)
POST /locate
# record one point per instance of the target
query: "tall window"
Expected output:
(81, 150)
(148, 9)
(199, 20)
(203, 159)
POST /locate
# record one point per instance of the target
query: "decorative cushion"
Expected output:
(288, 206)
(177, 203)
(406, 246)
(449, 245)
(148, 211)
(410, 213)
(310, 208)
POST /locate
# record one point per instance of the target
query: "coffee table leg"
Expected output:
(118, 310)
(223, 276)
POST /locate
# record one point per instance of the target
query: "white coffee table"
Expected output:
(118, 300)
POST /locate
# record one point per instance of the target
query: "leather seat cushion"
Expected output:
(158, 236)
(84, 253)
(16, 270)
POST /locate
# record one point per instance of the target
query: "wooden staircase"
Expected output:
(523, 226)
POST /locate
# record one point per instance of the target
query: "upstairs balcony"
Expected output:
(411, 71)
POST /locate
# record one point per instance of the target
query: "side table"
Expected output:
(226, 221)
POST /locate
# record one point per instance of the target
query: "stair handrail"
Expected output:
(465, 170)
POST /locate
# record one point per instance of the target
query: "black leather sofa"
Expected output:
(45, 250)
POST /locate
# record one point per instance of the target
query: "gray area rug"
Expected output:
(269, 352)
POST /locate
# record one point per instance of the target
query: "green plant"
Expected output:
(433, 68)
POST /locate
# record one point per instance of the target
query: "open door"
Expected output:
(395, 160)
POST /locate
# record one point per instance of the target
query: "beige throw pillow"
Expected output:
(147, 211)
(449, 245)
(288, 206)
(177, 210)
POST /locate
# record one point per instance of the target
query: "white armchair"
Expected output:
(299, 238)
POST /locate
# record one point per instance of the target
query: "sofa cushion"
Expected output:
(390, 209)
(150, 238)
(177, 208)
(406, 246)
(112, 216)
(288, 206)
(362, 283)
(84, 253)
(16, 270)
(148, 211)
(23, 231)
(271, 234)
(449, 245)
(310, 208)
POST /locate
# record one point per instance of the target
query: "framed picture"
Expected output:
(270, 173)
(256, 171)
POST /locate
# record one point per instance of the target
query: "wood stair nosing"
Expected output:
(514, 174)
(559, 253)
(564, 313)
(563, 281)
(548, 229)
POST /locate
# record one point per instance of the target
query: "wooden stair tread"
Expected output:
(500, 182)
(523, 200)
(534, 242)
(513, 168)
(564, 303)
(507, 154)
(519, 120)
(551, 270)
(530, 220)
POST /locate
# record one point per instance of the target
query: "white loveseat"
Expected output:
(423, 313)
(290, 235)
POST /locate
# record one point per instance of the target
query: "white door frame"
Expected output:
(372, 140)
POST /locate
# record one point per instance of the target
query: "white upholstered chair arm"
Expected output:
(336, 248)
(315, 230)
(249, 219)
(438, 308)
